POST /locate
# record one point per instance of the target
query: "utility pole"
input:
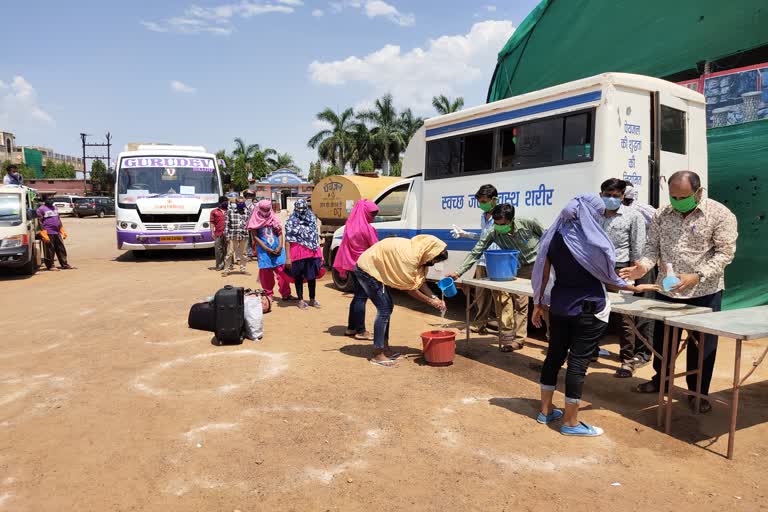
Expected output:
(108, 145)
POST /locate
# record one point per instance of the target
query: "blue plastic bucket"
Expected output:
(447, 286)
(501, 265)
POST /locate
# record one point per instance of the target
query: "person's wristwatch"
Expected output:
(701, 275)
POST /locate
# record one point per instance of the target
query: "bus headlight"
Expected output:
(134, 226)
(206, 225)
(124, 225)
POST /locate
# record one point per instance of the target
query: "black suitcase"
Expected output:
(202, 316)
(230, 315)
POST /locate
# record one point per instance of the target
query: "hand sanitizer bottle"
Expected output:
(671, 279)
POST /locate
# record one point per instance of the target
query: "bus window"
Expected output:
(392, 204)
(478, 152)
(507, 153)
(672, 130)
(444, 158)
(577, 138)
(539, 143)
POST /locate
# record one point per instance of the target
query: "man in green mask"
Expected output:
(697, 237)
(509, 233)
(487, 197)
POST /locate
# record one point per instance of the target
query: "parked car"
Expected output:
(99, 206)
(20, 248)
(65, 204)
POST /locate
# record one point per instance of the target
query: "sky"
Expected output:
(202, 72)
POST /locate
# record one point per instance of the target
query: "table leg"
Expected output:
(467, 292)
(672, 355)
(735, 401)
(663, 376)
(699, 337)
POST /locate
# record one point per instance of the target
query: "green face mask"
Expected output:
(503, 229)
(486, 207)
(684, 205)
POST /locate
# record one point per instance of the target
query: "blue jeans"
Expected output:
(379, 295)
(356, 320)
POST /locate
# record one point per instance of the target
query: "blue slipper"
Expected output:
(555, 415)
(581, 430)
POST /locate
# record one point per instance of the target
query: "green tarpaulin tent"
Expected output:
(34, 160)
(564, 40)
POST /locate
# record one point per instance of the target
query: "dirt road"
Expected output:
(109, 402)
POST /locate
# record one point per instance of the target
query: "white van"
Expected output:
(540, 150)
(19, 248)
(65, 204)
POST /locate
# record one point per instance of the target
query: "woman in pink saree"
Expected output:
(359, 235)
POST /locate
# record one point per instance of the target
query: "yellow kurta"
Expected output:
(399, 262)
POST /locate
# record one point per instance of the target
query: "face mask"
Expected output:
(241, 206)
(503, 229)
(223, 205)
(486, 207)
(684, 205)
(612, 203)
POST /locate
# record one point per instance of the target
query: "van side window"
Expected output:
(540, 142)
(577, 137)
(444, 157)
(672, 130)
(554, 140)
(478, 152)
(392, 204)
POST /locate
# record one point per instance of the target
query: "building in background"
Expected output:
(60, 186)
(9, 150)
(282, 184)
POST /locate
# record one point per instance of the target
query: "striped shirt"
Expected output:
(524, 237)
(626, 230)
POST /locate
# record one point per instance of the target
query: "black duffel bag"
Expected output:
(202, 316)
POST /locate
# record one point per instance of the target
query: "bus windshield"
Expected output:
(141, 177)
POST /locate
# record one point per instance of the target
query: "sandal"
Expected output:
(313, 303)
(511, 347)
(363, 336)
(387, 363)
(704, 406)
(647, 387)
(581, 430)
(546, 419)
(350, 333)
(626, 371)
(289, 298)
(303, 305)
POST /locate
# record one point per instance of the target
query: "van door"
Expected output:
(393, 218)
(669, 142)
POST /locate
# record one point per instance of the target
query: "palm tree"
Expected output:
(361, 146)
(386, 130)
(409, 124)
(334, 143)
(282, 161)
(444, 105)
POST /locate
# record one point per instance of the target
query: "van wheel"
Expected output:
(101, 214)
(31, 266)
(343, 284)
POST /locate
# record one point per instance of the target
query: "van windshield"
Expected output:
(10, 208)
(143, 177)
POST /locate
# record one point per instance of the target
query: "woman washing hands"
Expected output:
(584, 262)
(402, 264)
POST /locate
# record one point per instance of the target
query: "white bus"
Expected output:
(164, 196)
(540, 150)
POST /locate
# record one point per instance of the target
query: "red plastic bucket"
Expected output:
(439, 347)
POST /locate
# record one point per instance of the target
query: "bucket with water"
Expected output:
(501, 265)
(439, 347)
(447, 286)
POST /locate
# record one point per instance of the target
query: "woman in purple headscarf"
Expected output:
(583, 260)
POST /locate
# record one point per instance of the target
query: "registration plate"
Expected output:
(171, 238)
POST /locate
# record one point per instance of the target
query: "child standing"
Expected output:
(305, 257)
(267, 233)
(237, 237)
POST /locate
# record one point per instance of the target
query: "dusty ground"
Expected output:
(109, 402)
